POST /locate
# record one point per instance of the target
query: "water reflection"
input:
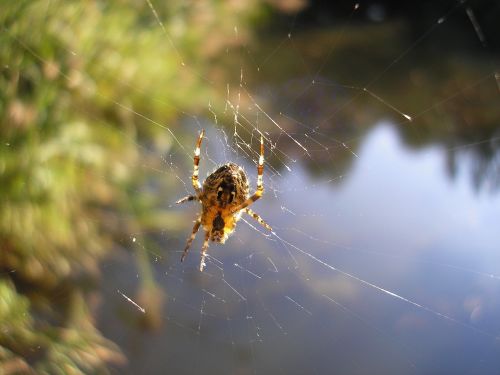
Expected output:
(396, 226)
(451, 97)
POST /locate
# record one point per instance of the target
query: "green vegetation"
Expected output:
(74, 76)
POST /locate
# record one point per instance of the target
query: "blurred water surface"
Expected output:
(409, 283)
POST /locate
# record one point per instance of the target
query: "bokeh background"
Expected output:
(385, 258)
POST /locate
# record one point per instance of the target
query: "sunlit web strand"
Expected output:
(352, 249)
(268, 236)
(451, 97)
(288, 211)
(325, 148)
(134, 236)
(237, 265)
(128, 299)
(266, 138)
(477, 27)
(388, 292)
(314, 130)
(271, 315)
(284, 244)
(481, 37)
(312, 186)
(298, 305)
(372, 94)
(148, 119)
(251, 324)
(276, 124)
(337, 40)
(473, 144)
(234, 290)
(325, 60)
(159, 21)
(429, 31)
(256, 329)
(283, 41)
(182, 63)
(288, 38)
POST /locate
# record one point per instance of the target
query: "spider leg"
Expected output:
(258, 218)
(187, 198)
(260, 186)
(196, 162)
(204, 251)
(196, 226)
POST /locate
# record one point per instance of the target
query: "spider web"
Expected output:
(359, 275)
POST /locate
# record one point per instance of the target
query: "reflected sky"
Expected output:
(393, 268)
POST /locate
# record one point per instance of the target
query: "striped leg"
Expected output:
(204, 251)
(196, 182)
(187, 198)
(260, 186)
(196, 226)
(258, 218)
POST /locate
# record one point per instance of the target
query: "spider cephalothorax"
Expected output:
(223, 197)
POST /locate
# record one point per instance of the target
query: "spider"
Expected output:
(223, 197)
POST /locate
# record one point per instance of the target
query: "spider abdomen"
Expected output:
(220, 223)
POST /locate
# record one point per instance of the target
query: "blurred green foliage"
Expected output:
(82, 86)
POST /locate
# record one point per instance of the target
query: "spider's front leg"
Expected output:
(196, 162)
(260, 185)
(194, 178)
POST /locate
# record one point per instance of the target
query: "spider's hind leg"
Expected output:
(204, 251)
(196, 226)
(258, 218)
